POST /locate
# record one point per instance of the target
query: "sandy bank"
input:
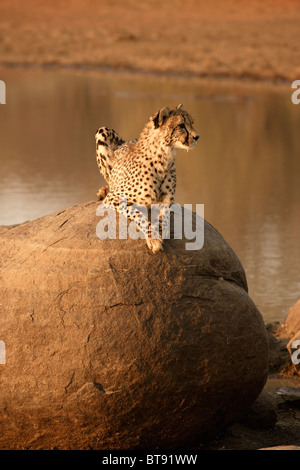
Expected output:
(254, 40)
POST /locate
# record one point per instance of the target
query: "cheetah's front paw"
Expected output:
(154, 245)
(101, 194)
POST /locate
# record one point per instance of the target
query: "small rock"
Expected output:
(273, 327)
(279, 356)
(291, 394)
(262, 414)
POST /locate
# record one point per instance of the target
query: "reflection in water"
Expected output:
(244, 169)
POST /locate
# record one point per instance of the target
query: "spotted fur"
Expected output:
(143, 170)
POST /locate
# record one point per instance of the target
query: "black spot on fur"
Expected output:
(102, 143)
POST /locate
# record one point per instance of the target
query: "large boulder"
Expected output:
(111, 347)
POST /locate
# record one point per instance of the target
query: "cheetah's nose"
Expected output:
(196, 137)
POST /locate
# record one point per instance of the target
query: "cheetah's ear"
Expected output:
(179, 107)
(160, 116)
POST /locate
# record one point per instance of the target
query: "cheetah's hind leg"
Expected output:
(102, 193)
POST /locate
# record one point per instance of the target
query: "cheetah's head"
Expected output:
(176, 127)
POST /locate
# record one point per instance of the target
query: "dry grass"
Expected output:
(236, 38)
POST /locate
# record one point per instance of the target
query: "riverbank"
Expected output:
(203, 39)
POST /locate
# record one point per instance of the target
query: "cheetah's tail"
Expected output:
(107, 141)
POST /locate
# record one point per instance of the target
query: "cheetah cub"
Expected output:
(143, 170)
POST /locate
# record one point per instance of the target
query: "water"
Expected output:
(245, 168)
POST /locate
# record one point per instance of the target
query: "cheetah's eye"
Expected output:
(182, 126)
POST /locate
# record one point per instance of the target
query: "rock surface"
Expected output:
(111, 347)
